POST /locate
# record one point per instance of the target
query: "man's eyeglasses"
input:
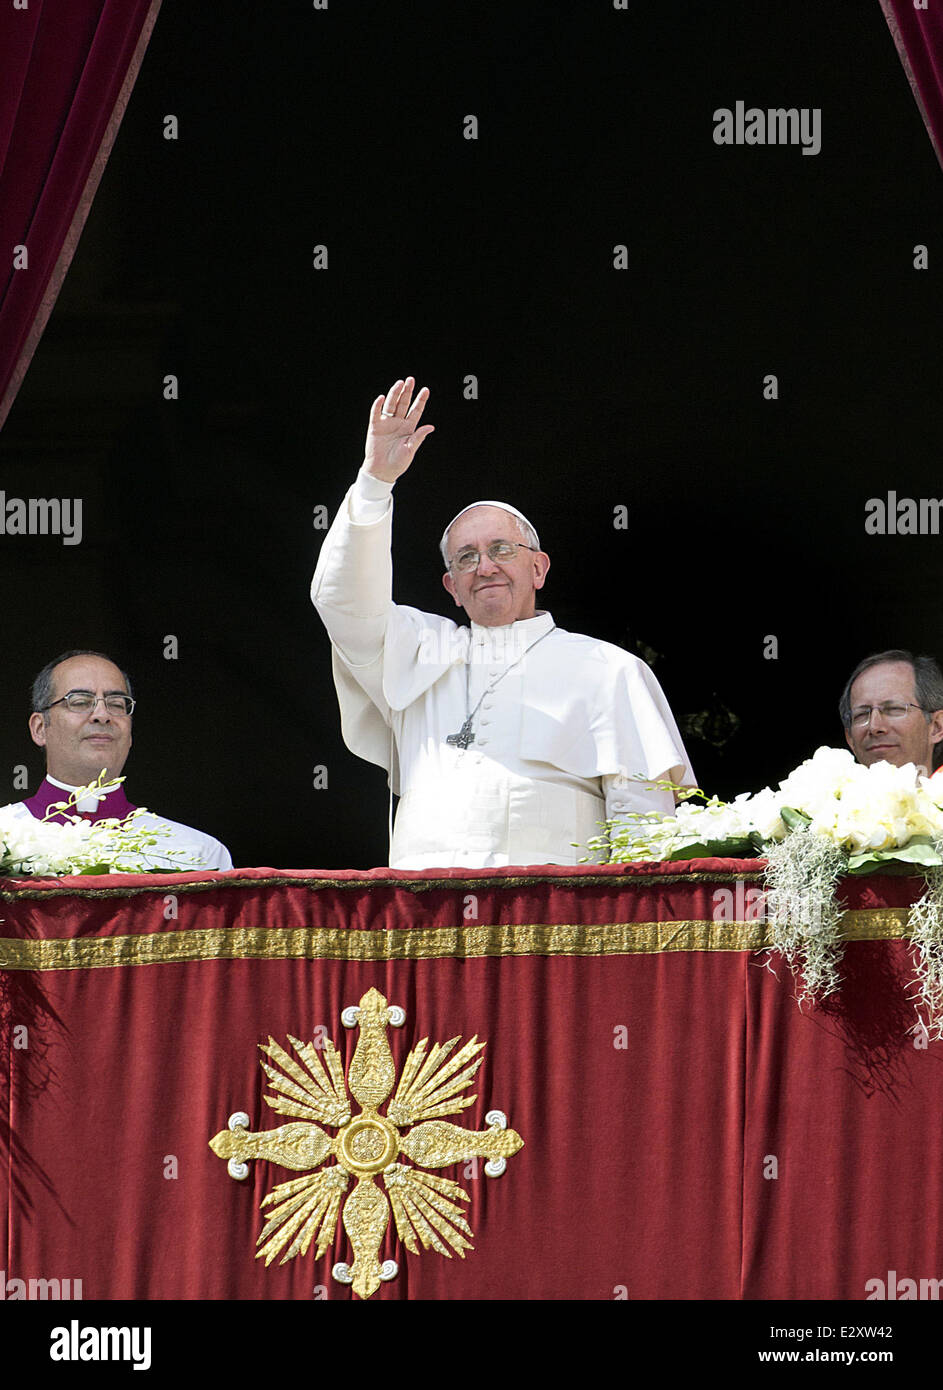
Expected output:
(83, 701)
(892, 710)
(497, 551)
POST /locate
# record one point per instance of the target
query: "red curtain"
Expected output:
(68, 70)
(918, 34)
(688, 1131)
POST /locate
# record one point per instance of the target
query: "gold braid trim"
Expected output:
(169, 883)
(418, 943)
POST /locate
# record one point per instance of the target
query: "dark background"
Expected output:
(597, 387)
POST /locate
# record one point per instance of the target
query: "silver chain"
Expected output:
(465, 736)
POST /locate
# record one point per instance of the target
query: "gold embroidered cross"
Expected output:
(368, 1146)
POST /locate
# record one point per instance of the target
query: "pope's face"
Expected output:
(897, 741)
(496, 592)
(79, 744)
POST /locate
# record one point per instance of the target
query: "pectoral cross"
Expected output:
(464, 737)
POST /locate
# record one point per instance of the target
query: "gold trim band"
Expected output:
(128, 888)
(418, 943)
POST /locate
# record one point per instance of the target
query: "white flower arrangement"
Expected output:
(47, 848)
(830, 817)
(873, 814)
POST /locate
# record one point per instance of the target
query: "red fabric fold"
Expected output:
(918, 37)
(68, 71)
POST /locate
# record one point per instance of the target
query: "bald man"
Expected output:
(508, 740)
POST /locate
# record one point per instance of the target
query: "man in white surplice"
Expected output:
(508, 741)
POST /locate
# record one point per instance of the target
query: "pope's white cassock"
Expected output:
(565, 728)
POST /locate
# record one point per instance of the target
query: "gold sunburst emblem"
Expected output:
(367, 1146)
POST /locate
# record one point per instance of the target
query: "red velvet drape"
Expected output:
(918, 34)
(688, 1131)
(68, 70)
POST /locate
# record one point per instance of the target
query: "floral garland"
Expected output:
(830, 817)
(50, 848)
(926, 938)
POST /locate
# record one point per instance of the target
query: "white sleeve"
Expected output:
(192, 849)
(627, 795)
(223, 859)
(353, 581)
(369, 498)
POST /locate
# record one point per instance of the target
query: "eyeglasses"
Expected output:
(82, 701)
(497, 551)
(892, 710)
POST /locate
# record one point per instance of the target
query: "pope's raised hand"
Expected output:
(394, 433)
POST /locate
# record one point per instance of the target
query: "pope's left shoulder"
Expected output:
(595, 649)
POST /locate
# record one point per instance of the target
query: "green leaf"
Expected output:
(794, 820)
(920, 852)
(716, 849)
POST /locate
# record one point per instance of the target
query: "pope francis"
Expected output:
(508, 740)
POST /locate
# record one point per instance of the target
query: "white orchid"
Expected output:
(46, 848)
(829, 817)
(868, 812)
